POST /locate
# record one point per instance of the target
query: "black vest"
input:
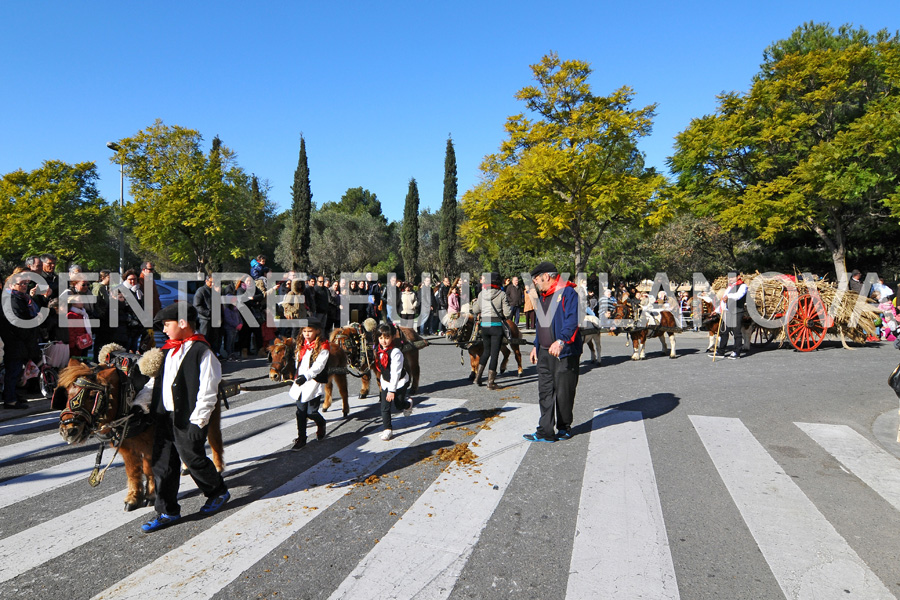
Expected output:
(185, 387)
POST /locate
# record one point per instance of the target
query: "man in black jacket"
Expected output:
(203, 302)
(20, 342)
(516, 297)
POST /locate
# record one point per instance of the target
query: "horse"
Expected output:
(466, 336)
(358, 342)
(283, 367)
(92, 405)
(660, 325)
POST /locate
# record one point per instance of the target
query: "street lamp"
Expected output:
(115, 148)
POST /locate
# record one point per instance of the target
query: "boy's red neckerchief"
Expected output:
(177, 344)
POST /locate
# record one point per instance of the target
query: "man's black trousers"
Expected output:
(557, 380)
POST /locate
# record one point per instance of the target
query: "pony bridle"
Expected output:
(89, 404)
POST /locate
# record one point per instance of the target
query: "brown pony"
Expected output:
(358, 343)
(283, 367)
(663, 325)
(94, 408)
(460, 328)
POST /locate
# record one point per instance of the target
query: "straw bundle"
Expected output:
(854, 316)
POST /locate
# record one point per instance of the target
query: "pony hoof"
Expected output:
(130, 506)
(672, 356)
(472, 376)
(346, 413)
(519, 374)
(362, 396)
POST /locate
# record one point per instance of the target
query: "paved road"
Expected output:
(776, 476)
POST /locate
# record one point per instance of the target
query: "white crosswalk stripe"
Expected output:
(620, 547)
(39, 482)
(424, 553)
(808, 557)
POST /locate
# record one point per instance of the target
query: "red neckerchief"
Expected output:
(555, 286)
(383, 356)
(309, 346)
(492, 285)
(177, 344)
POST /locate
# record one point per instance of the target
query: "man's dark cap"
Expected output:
(855, 272)
(170, 313)
(544, 267)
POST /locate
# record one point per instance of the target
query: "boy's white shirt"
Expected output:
(207, 396)
(395, 382)
(310, 388)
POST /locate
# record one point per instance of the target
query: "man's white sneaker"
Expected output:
(387, 434)
(408, 411)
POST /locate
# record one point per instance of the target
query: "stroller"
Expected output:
(54, 356)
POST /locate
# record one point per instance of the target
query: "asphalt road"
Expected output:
(777, 475)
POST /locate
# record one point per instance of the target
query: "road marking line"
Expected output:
(621, 549)
(39, 482)
(425, 551)
(875, 467)
(50, 539)
(217, 556)
(809, 558)
(26, 423)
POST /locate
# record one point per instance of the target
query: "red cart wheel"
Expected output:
(806, 323)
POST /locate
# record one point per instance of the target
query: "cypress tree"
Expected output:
(409, 233)
(301, 209)
(447, 246)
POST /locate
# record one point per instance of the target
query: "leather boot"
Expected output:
(492, 377)
(479, 375)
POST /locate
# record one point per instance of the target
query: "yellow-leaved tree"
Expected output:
(562, 179)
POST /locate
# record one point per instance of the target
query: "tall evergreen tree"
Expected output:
(447, 248)
(409, 234)
(301, 209)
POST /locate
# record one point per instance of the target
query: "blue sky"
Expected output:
(375, 88)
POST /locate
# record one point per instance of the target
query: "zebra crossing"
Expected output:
(620, 549)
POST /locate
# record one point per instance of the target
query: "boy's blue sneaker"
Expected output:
(533, 437)
(161, 520)
(215, 503)
(564, 434)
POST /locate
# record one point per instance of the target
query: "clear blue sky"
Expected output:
(375, 88)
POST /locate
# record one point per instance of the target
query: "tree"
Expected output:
(356, 201)
(562, 180)
(190, 207)
(342, 242)
(409, 232)
(448, 243)
(429, 243)
(812, 146)
(56, 208)
(301, 211)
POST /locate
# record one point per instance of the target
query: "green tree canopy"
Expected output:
(409, 232)
(188, 206)
(357, 201)
(56, 208)
(814, 145)
(301, 212)
(561, 180)
(448, 242)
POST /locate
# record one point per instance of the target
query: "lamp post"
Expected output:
(115, 148)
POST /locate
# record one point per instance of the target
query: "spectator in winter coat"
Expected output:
(515, 298)
(20, 342)
(409, 303)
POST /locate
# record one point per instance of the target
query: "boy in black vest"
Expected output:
(184, 397)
